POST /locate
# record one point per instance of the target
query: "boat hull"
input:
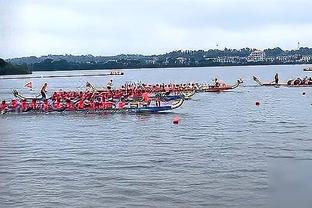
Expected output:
(145, 109)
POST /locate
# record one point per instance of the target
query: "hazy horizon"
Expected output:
(112, 27)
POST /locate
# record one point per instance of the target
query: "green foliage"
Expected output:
(10, 69)
(178, 58)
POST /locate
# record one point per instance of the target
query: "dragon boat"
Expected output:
(154, 93)
(129, 107)
(290, 83)
(163, 97)
(222, 87)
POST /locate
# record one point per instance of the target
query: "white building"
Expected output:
(306, 58)
(181, 60)
(256, 56)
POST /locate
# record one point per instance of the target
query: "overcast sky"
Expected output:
(110, 27)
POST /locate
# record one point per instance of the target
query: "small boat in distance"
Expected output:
(116, 73)
(307, 69)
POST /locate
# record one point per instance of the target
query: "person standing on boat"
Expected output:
(217, 83)
(109, 84)
(276, 78)
(44, 90)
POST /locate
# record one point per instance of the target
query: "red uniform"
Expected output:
(46, 106)
(70, 106)
(14, 104)
(81, 105)
(4, 106)
(34, 105)
(24, 105)
(121, 104)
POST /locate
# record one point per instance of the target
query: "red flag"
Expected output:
(29, 84)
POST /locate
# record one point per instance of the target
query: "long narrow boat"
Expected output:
(133, 107)
(158, 96)
(221, 88)
(273, 84)
(307, 69)
(188, 94)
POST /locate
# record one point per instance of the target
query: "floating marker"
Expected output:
(303, 93)
(257, 103)
(176, 120)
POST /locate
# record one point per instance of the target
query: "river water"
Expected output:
(218, 156)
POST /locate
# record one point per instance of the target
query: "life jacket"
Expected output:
(3, 106)
(24, 106)
(34, 105)
(121, 104)
(46, 106)
(81, 105)
(146, 97)
(14, 104)
(58, 105)
(70, 106)
(108, 104)
(92, 105)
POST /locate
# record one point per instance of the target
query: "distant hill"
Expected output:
(11, 69)
(179, 58)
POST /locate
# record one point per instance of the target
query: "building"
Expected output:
(306, 59)
(181, 60)
(228, 59)
(256, 56)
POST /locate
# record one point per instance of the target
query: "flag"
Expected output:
(29, 85)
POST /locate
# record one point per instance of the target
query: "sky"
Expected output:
(111, 27)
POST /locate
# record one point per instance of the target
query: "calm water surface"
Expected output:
(218, 156)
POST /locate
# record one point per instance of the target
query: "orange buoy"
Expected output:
(176, 120)
(257, 103)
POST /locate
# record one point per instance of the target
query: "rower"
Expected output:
(24, 105)
(69, 105)
(46, 106)
(4, 106)
(34, 105)
(146, 98)
(58, 105)
(14, 104)
(44, 90)
(276, 78)
(122, 103)
(80, 105)
(108, 104)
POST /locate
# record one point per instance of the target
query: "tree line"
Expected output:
(10, 69)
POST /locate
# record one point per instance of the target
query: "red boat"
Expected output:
(220, 88)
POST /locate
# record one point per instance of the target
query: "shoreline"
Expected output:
(177, 66)
(31, 76)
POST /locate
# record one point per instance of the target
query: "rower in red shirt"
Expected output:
(92, 105)
(122, 103)
(81, 105)
(4, 106)
(24, 105)
(59, 105)
(69, 105)
(14, 104)
(146, 98)
(46, 106)
(34, 105)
